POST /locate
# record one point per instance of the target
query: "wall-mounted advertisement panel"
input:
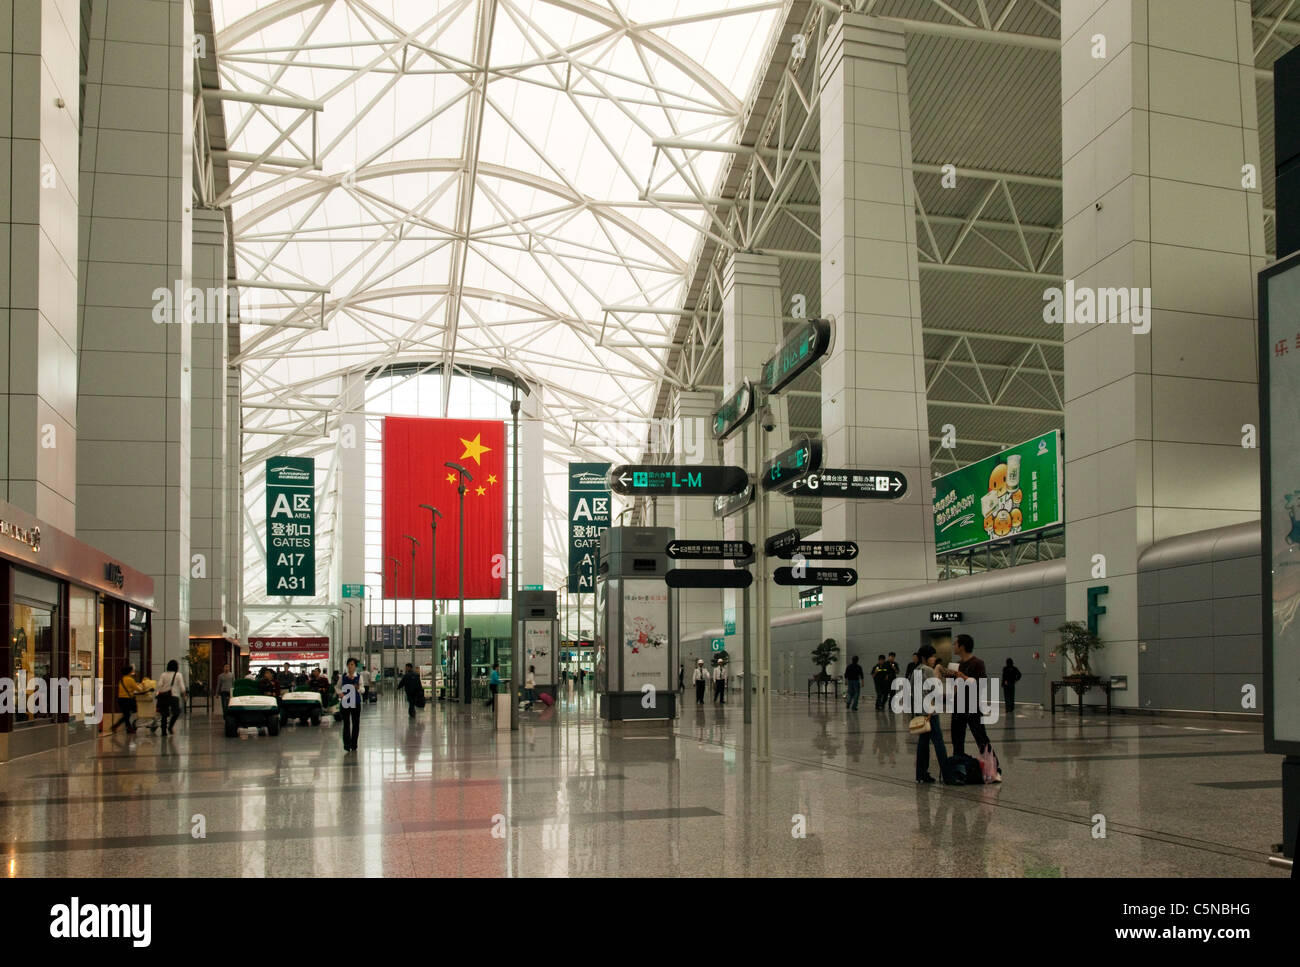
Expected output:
(1016, 491)
(645, 652)
(1279, 387)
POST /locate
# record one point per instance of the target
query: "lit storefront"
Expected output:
(74, 616)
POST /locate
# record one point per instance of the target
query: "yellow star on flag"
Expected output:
(492, 478)
(451, 478)
(480, 491)
(474, 448)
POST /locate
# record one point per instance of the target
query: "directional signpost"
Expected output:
(709, 550)
(777, 543)
(851, 484)
(832, 577)
(652, 480)
(793, 464)
(708, 578)
(805, 346)
(821, 551)
(729, 504)
(732, 414)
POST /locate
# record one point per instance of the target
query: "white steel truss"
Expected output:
(456, 183)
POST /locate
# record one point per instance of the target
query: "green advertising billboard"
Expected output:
(291, 527)
(1013, 492)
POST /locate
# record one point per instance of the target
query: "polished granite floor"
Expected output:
(567, 796)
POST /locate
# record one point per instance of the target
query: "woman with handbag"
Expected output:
(171, 687)
(926, 726)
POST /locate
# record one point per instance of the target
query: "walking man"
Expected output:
(225, 682)
(720, 683)
(970, 670)
(853, 676)
(1010, 675)
(880, 676)
(349, 689)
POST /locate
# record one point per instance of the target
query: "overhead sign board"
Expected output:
(792, 464)
(822, 550)
(709, 550)
(708, 578)
(829, 577)
(1015, 491)
(851, 485)
(805, 346)
(944, 617)
(649, 480)
(589, 517)
(291, 527)
(354, 590)
(734, 411)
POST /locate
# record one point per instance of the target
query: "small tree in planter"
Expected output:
(1079, 643)
(824, 654)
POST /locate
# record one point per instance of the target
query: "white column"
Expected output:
(692, 518)
(1156, 128)
(133, 451)
(751, 331)
(351, 547)
(208, 427)
(39, 98)
(532, 496)
(873, 381)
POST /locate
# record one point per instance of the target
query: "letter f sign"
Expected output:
(1096, 610)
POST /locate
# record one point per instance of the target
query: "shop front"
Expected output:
(300, 653)
(75, 617)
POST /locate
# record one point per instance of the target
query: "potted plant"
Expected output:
(824, 654)
(1078, 644)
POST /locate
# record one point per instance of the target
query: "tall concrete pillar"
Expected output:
(532, 467)
(208, 507)
(39, 107)
(133, 451)
(697, 609)
(1158, 118)
(350, 549)
(751, 331)
(873, 381)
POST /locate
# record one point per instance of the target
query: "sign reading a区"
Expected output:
(291, 527)
(589, 517)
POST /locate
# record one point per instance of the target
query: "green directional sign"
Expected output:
(806, 345)
(734, 411)
(354, 590)
(291, 527)
(531, 587)
(717, 644)
(793, 464)
(651, 480)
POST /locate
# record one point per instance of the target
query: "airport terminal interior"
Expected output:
(567, 438)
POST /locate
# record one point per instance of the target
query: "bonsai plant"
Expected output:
(824, 654)
(1078, 644)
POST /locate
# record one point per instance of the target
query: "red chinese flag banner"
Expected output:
(416, 451)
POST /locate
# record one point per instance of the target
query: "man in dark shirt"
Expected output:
(853, 676)
(970, 669)
(880, 675)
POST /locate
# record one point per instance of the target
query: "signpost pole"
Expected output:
(434, 514)
(747, 632)
(762, 734)
(414, 545)
(463, 475)
(381, 653)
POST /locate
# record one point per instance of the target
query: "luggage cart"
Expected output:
(146, 709)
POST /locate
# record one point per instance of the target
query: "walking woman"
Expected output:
(171, 689)
(934, 735)
(126, 692)
(349, 689)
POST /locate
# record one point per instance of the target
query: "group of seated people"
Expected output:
(273, 683)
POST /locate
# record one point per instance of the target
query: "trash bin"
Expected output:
(503, 709)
